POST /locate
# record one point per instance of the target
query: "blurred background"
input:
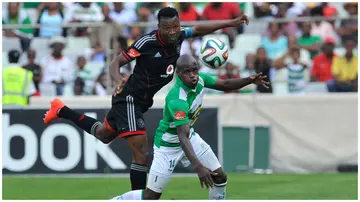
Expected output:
(298, 45)
(305, 123)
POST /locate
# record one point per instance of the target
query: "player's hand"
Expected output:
(205, 176)
(243, 19)
(259, 79)
(119, 87)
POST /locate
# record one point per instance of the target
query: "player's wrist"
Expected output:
(196, 165)
(250, 80)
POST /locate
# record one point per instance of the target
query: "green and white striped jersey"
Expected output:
(182, 106)
(296, 80)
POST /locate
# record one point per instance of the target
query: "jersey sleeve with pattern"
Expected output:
(209, 81)
(178, 110)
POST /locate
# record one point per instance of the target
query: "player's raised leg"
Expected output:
(90, 125)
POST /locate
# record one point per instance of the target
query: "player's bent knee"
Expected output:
(151, 195)
(104, 135)
(221, 176)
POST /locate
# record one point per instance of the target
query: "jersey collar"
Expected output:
(180, 83)
(158, 37)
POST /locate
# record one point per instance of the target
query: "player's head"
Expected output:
(187, 69)
(169, 25)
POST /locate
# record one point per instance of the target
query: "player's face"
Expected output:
(190, 76)
(169, 29)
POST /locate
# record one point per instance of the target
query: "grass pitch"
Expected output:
(240, 186)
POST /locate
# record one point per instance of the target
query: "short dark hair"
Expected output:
(13, 56)
(167, 12)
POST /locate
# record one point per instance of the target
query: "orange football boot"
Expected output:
(51, 114)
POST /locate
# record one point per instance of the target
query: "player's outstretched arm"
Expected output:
(235, 84)
(115, 64)
(204, 174)
(208, 28)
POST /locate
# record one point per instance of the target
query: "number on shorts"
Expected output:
(172, 163)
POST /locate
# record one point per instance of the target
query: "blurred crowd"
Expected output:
(294, 55)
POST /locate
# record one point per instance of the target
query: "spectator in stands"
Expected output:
(51, 14)
(263, 64)
(85, 12)
(79, 86)
(145, 14)
(295, 9)
(223, 11)
(57, 68)
(289, 29)
(14, 15)
(105, 35)
(35, 69)
(100, 85)
(321, 28)
(345, 70)
(135, 33)
(188, 12)
(322, 63)
(123, 15)
(231, 72)
(349, 27)
(81, 71)
(262, 10)
(106, 12)
(304, 54)
(329, 11)
(276, 44)
(96, 53)
(296, 70)
(309, 42)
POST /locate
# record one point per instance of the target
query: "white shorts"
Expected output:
(166, 158)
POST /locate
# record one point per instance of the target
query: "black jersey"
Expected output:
(155, 65)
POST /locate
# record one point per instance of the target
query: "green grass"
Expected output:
(240, 186)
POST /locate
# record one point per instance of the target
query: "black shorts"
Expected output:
(125, 117)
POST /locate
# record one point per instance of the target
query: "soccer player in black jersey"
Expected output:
(156, 54)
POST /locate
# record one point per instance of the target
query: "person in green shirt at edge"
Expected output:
(309, 42)
(175, 139)
(16, 15)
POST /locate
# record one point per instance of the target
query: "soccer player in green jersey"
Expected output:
(175, 138)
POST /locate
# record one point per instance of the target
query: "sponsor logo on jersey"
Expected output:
(180, 115)
(170, 69)
(133, 53)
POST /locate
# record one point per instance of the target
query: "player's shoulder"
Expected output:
(202, 77)
(176, 94)
(145, 40)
